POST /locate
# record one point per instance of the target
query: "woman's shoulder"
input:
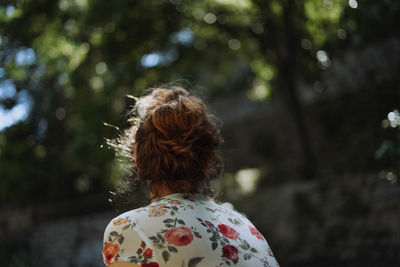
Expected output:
(124, 241)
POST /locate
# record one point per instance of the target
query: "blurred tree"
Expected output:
(86, 55)
(280, 40)
(65, 66)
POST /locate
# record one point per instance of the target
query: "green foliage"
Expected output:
(89, 53)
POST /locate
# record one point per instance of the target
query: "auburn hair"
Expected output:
(172, 140)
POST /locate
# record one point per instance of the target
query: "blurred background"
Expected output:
(307, 90)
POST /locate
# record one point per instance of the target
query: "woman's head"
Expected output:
(174, 141)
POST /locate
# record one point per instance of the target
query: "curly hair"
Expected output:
(172, 140)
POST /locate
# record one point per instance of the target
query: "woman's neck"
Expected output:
(162, 190)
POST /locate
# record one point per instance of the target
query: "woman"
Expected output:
(175, 154)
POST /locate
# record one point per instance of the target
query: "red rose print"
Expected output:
(230, 252)
(143, 244)
(255, 232)
(150, 264)
(228, 231)
(209, 224)
(109, 251)
(139, 250)
(148, 253)
(180, 236)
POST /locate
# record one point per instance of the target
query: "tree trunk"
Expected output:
(287, 82)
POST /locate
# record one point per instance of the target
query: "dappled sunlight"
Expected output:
(25, 57)
(159, 58)
(243, 4)
(247, 180)
(388, 176)
(320, 14)
(19, 112)
(393, 119)
(353, 3)
(259, 91)
(306, 94)
(323, 59)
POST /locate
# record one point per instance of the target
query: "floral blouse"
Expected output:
(187, 230)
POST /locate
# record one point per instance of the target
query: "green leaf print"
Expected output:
(166, 255)
(194, 261)
(172, 249)
(254, 250)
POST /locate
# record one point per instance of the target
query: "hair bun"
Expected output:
(177, 148)
(175, 138)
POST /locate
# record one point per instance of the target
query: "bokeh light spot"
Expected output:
(210, 18)
(353, 3)
(101, 68)
(60, 113)
(247, 179)
(234, 44)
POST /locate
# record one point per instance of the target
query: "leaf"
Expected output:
(166, 255)
(235, 261)
(214, 245)
(154, 238)
(160, 236)
(194, 261)
(181, 221)
(158, 245)
(169, 225)
(227, 262)
(200, 220)
(247, 256)
(245, 245)
(172, 212)
(109, 239)
(168, 221)
(133, 259)
(120, 239)
(172, 249)
(114, 233)
(254, 250)
(175, 208)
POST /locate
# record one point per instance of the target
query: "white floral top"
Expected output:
(187, 230)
